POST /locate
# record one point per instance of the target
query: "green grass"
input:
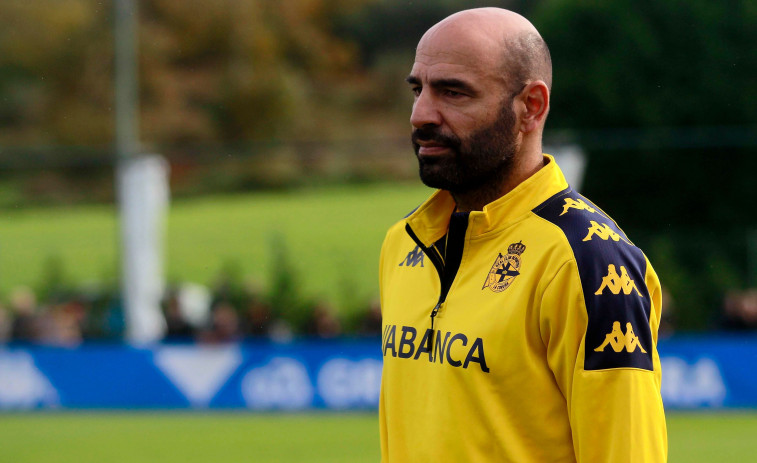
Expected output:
(242, 437)
(715, 437)
(188, 438)
(333, 236)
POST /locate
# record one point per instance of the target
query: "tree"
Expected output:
(219, 71)
(651, 63)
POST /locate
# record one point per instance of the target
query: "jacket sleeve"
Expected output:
(607, 370)
(383, 427)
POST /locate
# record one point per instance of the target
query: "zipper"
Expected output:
(446, 266)
(431, 336)
(438, 261)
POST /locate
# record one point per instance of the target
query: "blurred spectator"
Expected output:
(194, 301)
(323, 322)
(224, 325)
(258, 318)
(740, 310)
(96, 301)
(370, 325)
(23, 306)
(237, 311)
(60, 324)
(5, 325)
(668, 317)
(114, 321)
(177, 327)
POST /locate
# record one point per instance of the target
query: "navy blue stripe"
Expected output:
(596, 254)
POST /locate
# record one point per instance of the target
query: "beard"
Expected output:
(481, 160)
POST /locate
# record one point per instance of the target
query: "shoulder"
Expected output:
(396, 233)
(591, 233)
(612, 273)
(398, 242)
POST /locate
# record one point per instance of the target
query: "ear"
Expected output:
(535, 101)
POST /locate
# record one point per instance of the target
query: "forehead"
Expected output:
(453, 53)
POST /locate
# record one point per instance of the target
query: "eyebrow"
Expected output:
(451, 83)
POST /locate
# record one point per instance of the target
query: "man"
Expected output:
(499, 293)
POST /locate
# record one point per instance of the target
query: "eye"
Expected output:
(453, 94)
(416, 90)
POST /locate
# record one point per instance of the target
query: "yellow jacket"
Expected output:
(543, 345)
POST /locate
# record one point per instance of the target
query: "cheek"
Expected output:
(463, 122)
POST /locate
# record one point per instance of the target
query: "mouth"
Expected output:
(431, 148)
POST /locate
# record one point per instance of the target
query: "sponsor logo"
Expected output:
(22, 384)
(282, 383)
(619, 340)
(617, 283)
(344, 383)
(402, 342)
(579, 204)
(602, 231)
(181, 364)
(692, 385)
(413, 258)
(505, 268)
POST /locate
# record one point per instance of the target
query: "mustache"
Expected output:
(432, 134)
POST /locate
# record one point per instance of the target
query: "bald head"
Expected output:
(495, 38)
(480, 82)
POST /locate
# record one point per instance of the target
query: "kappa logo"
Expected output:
(602, 231)
(617, 283)
(579, 204)
(413, 258)
(505, 268)
(619, 340)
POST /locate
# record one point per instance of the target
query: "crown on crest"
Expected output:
(516, 248)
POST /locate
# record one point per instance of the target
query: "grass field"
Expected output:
(240, 437)
(333, 236)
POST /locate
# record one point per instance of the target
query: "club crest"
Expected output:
(505, 268)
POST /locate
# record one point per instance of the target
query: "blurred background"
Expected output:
(193, 196)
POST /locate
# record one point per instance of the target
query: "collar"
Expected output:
(431, 220)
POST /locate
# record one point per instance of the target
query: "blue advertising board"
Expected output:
(698, 372)
(339, 374)
(709, 371)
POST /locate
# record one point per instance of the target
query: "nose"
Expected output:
(425, 111)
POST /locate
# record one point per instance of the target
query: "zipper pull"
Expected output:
(431, 337)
